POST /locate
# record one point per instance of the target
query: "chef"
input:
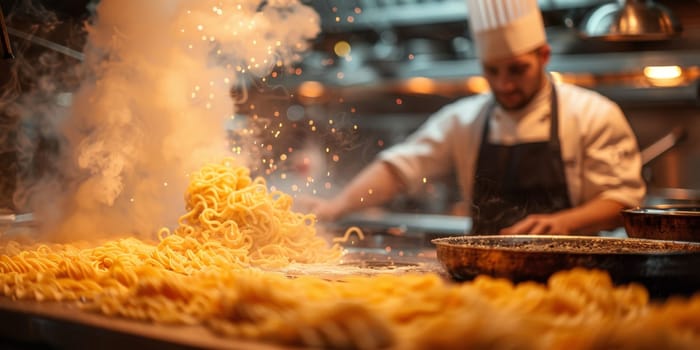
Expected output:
(531, 156)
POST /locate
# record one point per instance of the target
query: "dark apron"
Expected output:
(514, 181)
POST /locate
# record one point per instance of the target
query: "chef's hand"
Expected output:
(538, 224)
(324, 209)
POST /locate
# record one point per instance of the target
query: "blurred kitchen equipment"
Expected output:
(408, 233)
(675, 196)
(5, 45)
(401, 223)
(11, 218)
(46, 43)
(663, 267)
(663, 222)
(662, 145)
(630, 20)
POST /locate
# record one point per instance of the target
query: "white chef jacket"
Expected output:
(599, 150)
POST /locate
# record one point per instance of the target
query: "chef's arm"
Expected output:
(375, 185)
(588, 218)
(593, 216)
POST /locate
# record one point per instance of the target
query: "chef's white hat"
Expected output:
(505, 28)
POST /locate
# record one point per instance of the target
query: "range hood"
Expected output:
(630, 20)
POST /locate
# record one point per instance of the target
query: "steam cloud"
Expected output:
(151, 106)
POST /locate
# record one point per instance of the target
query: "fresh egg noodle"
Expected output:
(230, 211)
(213, 270)
(346, 237)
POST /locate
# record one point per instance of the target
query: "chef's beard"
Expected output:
(525, 97)
(508, 105)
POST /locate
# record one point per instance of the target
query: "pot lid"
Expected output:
(630, 20)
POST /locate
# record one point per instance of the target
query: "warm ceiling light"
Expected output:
(664, 75)
(342, 48)
(311, 89)
(420, 85)
(663, 72)
(477, 85)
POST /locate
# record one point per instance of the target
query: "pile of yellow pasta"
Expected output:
(210, 271)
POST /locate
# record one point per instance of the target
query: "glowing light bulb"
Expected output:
(477, 84)
(311, 89)
(342, 48)
(662, 72)
(421, 85)
(664, 75)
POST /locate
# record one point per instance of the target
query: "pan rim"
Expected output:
(662, 211)
(660, 247)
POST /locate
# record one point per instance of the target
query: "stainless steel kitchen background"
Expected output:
(410, 57)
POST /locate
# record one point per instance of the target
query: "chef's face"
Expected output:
(516, 80)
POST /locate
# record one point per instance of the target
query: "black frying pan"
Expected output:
(664, 267)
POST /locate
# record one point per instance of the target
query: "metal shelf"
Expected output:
(389, 13)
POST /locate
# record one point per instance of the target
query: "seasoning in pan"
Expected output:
(570, 244)
(664, 267)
